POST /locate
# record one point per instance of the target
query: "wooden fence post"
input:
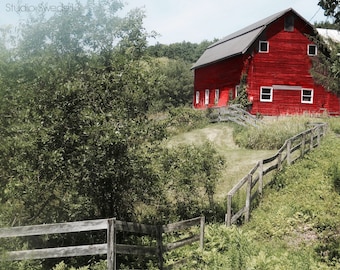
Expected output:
(311, 139)
(303, 145)
(319, 135)
(229, 212)
(248, 197)
(202, 232)
(279, 161)
(261, 178)
(111, 244)
(160, 246)
(289, 145)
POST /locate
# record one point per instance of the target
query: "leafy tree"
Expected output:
(175, 87)
(75, 98)
(326, 68)
(332, 9)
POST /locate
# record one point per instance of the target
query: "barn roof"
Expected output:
(238, 42)
(329, 34)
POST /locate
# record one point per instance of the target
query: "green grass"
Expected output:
(296, 225)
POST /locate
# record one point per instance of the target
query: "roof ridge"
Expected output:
(231, 38)
(252, 27)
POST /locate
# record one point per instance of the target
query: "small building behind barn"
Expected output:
(275, 56)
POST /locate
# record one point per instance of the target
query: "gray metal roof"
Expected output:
(238, 42)
(331, 34)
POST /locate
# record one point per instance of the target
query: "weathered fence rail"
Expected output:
(252, 184)
(234, 113)
(111, 247)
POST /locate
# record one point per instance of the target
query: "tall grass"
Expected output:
(272, 134)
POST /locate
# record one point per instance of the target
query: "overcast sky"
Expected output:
(186, 20)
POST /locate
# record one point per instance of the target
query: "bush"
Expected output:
(184, 119)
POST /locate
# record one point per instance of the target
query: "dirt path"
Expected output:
(239, 161)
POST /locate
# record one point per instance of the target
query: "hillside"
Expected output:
(296, 225)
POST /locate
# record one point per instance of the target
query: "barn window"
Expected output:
(312, 50)
(289, 23)
(197, 100)
(237, 90)
(206, 97)
(266, 94)
(264, 46)
(307, 96)
(217, 96)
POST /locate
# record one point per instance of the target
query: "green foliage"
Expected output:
(187, 181)
(175, 87)
(182, 119)
(225, 248)
(326, 67)
(331, 8)
(101, 265)
(185, 51)
(21, 265)
(334, 173)
(242, 96)
(334, 124)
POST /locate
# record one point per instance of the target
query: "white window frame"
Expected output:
(270, 94)
(197, 97)
(206, 97)
(309, 96)
(217, 96)
(263, 42)
(316, 49)
(237, 90)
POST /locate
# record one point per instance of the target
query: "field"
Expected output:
(296, 225)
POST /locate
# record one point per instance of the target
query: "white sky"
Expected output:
(186, 20)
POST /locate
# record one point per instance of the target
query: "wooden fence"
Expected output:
(252, 184)
(234, 113)
(111, 247)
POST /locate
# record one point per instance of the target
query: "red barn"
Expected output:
(275, 56)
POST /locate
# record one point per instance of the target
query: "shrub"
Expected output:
(182, 119)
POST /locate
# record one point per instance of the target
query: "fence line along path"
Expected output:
(251, 185)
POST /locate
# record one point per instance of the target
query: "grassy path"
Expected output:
(239, 161)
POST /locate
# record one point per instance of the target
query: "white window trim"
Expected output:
(262, 41)
(217, 96)
(311, 96)
(316, 49)
(206, 97)
(197, 99)
(237, 90)
(271, 94)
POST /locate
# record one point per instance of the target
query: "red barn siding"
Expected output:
(224, 75)
(286, 63)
